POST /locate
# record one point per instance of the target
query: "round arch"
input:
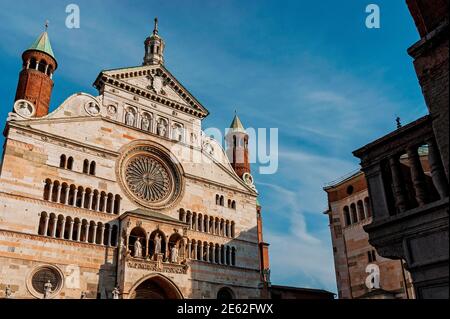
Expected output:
(155, 286)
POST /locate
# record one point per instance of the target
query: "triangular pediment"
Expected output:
(156, 83)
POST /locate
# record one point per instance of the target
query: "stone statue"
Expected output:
(8, 292)
(116, 293)
(157, 244)
(137, 248)
(93, 108)
(129, 118)
(145, 123)
(162, 127)
(174, 254)
(266, 275)
(47, 289)
(83, 295)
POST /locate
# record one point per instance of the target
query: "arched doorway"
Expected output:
(225, 294)
(155, 287)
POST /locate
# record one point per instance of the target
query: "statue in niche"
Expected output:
(174, 254)
(178, 132)
(8, 292)
(47, 289)
(129, 118)
(145, 125)
(24, 109)
(137, 248)
(115, 293)
(162, 127)
(157, 244)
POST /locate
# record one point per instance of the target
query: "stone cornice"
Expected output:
(114, 78)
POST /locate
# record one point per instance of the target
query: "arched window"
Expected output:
(42, 66)
(109, 203)
(70, 163)
(217, 199)
(92, 168)
(114, 236)
(62, 161)
(233, 204)
(87, 197)
(92, 232)
(51, 230)
(60, 226)
(79, 197)
(43, 224)
(55, 191)
(33, 64)
(76, 229)
(222, 201)
(233, 231)
(47, 188)
(225, 294)
(233, 256)
(348, 220)
(84, 230)
(85, 166)
(229, 203)
(68, 224)
(99, 235)
(64, 193)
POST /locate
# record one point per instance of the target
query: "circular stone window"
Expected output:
(45, 278)
(149, 176)
(350, 190)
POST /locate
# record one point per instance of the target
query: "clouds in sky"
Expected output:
(309, 69)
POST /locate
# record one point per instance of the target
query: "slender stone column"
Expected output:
(28, 64)
(83, 198)
(213, 254)
(189, 250)
(71, 229)
(397, 180)
(105, 204)
(97, 205)
(206, 224)
(66, 196)
(437, 169)
(63, 228)
(219, 255)
(50, 192)
(46, 225)
(37, 65)
(201, 252)
(79, 231)
(113, 205)
(75, 195)
(207, 252)
(91, 195)
(109, 235)
(58, 196)
(194, 222)
(87, 233)
(195, 251)
(417, 176)
(102, 235)
(228, 230)
(55, 224)
(94, 234)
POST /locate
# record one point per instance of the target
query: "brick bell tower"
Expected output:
(237, 147)
(35, 80)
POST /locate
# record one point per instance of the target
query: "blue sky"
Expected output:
(311, 69)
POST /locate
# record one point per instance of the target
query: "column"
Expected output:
(184, 217)
(94, 234)
(207, 252)
(228, 229)
(71, 229)
(55, 224)
(195, 251)
(437, 169)
(147, 244)
(63, 228)
(66, 198)
(91, 195)
(219, 255)
(201, 251)
(75, 195)
(102, 234)
(105, 203)
(46, 225)
(97, 207)
(166, 253)
(83, 198)
(37, 65)
(79, 231)
(58, 196)
(417, 176)
(206, 224)
(28, 64)
(87, 233)
(189, 250)
(213, 254)
(46, 69)
(113, 202)
(50, 192)
(397, 180)
(109, 235)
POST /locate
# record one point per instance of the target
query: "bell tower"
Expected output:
(154, 48)
(237, 147)
(36, 78)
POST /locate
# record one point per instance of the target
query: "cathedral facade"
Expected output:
(122, 195)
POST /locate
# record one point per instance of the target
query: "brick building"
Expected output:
(410, 209)
(349, 210)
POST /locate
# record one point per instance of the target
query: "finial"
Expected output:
(46, 25)
(399, 124)
(155, 29)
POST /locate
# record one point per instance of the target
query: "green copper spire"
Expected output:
(236, 125)
(43, 43)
